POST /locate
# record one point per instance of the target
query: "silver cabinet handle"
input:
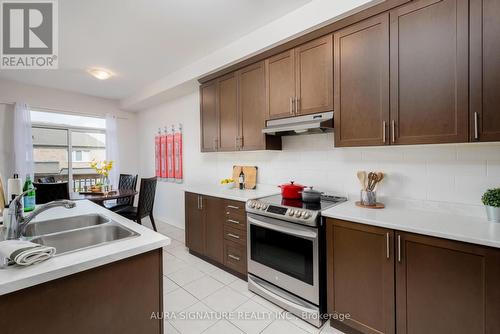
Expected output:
(476, 129)
(233, 207)
(388, 254)
(384, 135)
(241, 142)
(291, 105)
(393, 130)
(297, 105)
(201, 202)
(233, 221)
(237, 258)
(233, 236)
(399, 248)
(237, 142)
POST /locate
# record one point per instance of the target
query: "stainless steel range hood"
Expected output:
(314, 123)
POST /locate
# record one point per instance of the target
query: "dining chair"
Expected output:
(48, 192)
(145, 205)
(126, 181)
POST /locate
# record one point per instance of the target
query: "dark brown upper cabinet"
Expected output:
(361, 83)
(233, 112)
(209, 117)
(280, 85)
(360, 266)
(300, 81)
(252, 107)
(228, 112)
(429, 72)
(314, 76)
(484, 70)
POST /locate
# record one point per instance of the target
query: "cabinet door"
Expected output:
(209, 118)
(444, 286)
(429, 72)
(252, 106)
(485, 70)
(228, 112)
(195, 224)
(361, 84)
(360, 268)
(280, 85)
(214, 221)
(314, 76)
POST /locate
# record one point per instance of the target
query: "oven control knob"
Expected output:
(306, 215)
(298, 214)
(291, 212)
(257, 206)
(263, 207)
(252, 204)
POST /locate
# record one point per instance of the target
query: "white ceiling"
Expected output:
(143, 41)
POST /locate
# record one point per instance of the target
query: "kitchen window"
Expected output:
(64, 145)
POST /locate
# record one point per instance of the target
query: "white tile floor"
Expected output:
(193, 287)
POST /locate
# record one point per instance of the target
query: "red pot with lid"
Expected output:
(291, 190)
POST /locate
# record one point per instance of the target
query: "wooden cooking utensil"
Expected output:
(362, 179)
(372, 180)
(380, 177)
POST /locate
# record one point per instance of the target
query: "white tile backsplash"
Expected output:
(453, 173)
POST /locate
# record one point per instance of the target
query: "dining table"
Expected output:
(100, 198)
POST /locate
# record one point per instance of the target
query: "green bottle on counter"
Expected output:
(29, 198)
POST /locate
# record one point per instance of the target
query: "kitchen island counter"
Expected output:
(16, 277)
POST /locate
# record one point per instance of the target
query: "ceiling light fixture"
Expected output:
(100, 73)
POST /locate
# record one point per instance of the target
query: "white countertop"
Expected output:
(235, 194)
(17, 277)
(400, 215)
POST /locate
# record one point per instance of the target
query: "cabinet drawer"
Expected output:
(235, 256)
(235, 235)
(235, 208)
(233, 221)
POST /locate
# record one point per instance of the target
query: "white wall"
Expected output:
(457, 173)
(55, 99)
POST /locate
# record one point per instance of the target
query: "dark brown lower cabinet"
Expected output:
(445, 286)
(216, 231)
(397, 282)
(116, 298)
(195, 222)
(214, 222)
(361, 276)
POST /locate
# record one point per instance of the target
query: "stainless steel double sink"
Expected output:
(76, 233)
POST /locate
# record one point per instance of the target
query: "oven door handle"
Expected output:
(287, 230)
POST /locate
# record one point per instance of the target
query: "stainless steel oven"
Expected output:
(284, 254)
(284, 265)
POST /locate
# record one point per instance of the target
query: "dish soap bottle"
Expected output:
(29, 198)
(241, 180)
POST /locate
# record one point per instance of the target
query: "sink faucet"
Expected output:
(16, 222)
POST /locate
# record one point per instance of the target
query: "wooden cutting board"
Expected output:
(250, 175)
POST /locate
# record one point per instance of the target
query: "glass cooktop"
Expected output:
(327, 201)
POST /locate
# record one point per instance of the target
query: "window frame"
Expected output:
(69, 131)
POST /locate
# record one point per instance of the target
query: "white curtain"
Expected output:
(112, 149)
(23, 141)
